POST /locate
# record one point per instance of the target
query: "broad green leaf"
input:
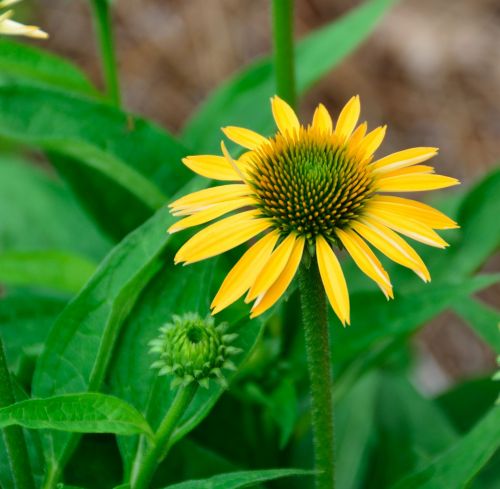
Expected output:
(23, 62)
(237, 480)
(480, 238)
(411, 430)
(81, 413)
(81, 342)
(120, 166)
(456, 402)
(49, 219)
(376, 322)
(25, 320)
(175, 290)
(483, 319)
(457, 466)
(244, 99)
(51, 269)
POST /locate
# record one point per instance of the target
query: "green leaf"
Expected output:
(51, 269)
(81, 343)
(377, 322)
(237, 480)
(120, 166)
(81, 413)
(483, 319)
(23, 62)
(25, 320)
(175, 290)
(244, 99)
(49, 219)
(404, 418)
(457, 466)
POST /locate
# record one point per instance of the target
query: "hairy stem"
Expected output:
(314, 314)
(13, 436)
(146, 468)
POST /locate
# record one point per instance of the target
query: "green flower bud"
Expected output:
(193, 349)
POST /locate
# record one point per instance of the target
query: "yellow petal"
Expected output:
(333, 279)
(244, 137)
(8, 3)
(357, 137)
(366, 260)
(370, 143)
(13, 28)
(285, 117)
(269, 298)
(415, 182)
(244, 273)
(211, 213)
(391, 245)
(413, 209)
(222, 236)
(273, 268)
(211, 166)
(348, 118)
(402, 159)
(407, 226)
(202, 199)
(322, 120)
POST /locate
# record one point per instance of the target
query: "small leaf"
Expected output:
(237, 480)
(457, 466)
(51, 269)
(81, 413)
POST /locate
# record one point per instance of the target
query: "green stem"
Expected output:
(314, 313)
(13, 436)
(283, 50)
(158, 451)
(103, 26)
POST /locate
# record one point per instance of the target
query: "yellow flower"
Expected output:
(13, 28)
(316, 186)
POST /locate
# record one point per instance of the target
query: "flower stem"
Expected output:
(147, 467)
(13, 436)
(283, 50)
(314, 314)
(103, 26)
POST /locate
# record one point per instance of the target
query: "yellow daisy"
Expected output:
(13, 28)
(310, 190)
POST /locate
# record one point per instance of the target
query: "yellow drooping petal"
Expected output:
(370, 143)
(8, 3)
(391, 245)
(333, 279)
(419, 180)
(273, 268)
(322, 120)
(348, 118)
(211, 213)
(215, 167)
(402, 159)
(244, 273)
(269, 298)
(285, 117)
(366, 260)
(407, 226)
(244, 137)
(222, 236)
(202, 199)
(413, 209)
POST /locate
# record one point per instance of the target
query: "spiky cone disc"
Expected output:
(194, 349)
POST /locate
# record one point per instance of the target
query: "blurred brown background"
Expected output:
(430, 71)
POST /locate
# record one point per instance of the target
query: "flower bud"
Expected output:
(193, 349)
